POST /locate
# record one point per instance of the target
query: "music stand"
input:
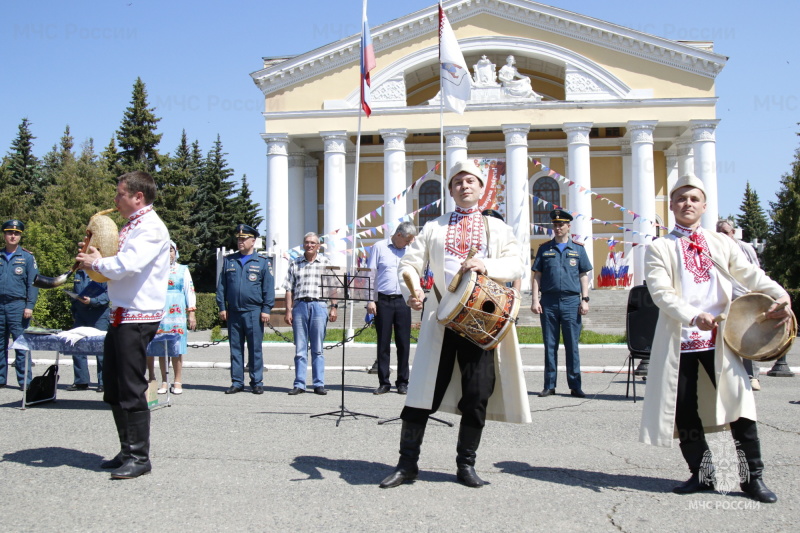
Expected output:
(331, 284)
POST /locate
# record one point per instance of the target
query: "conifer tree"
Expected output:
(212, 219)
(22, 187)
(752, 220)
(783, 242)
(175, 184)
(137, 137)
(110, 157)
(244, 209)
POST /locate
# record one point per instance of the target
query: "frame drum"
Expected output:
(749, 335)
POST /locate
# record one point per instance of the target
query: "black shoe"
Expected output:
(234, 389)
(383, 389)
(467, 476)
(692, 485)
(100, 389)
(114, 463)
(320, 390)
(138, 462)
(2, 385)
(78, 386)
(756, 489)
(295, 391)
(578, 393)
(402, 389)
(397, 478)
(547, 392)
(374, 369)
(258, 389)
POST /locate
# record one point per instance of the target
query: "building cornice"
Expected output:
(277, 75)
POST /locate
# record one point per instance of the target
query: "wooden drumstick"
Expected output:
(457, 278)
(720, 317)
(763, 316)
(409, 283)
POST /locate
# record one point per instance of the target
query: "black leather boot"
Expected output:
(702, 478)
(754, 486)
(469, 438)
(122, 430)
(138, 462)
(411, 436)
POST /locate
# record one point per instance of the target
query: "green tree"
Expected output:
(783, 242)
(752, 220)
(245, 211)
(212, 219)
(22, 176)
(110, 158)
(176, 189)
(137, 137)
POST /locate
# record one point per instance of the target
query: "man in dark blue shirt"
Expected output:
(561, 271)
(89, 309)
(17, 296)
(246, 296)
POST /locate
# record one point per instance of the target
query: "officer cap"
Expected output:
(688, 180)
(492, 213)
(468, 166)
(559, 215)
(13, 225)
(243, 230)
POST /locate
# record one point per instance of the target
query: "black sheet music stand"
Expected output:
(345, 288)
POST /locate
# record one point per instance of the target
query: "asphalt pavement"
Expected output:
(245, 462)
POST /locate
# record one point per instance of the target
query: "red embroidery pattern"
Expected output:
(464, 231)
(697, 343)
(695, 258)
(133, 221)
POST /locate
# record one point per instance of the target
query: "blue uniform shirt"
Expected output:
(248, 286)
(561, 269)
(16, 277)
(97, 312)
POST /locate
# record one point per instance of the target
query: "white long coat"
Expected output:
(509, 402)
(733, 396)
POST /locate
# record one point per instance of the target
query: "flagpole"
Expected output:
(442, 164)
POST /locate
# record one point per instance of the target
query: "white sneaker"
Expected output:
(755, 384)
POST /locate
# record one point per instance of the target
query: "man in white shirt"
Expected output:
(137, 286)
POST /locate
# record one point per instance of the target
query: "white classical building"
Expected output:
(620, 113)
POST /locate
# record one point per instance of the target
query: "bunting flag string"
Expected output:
(563, 179)
(612, 242)
(545, 203)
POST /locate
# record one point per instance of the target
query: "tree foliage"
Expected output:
(783, 241)
(22, 175)
(752, 220)
(137, 137)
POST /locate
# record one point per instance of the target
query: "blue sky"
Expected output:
(75, 63)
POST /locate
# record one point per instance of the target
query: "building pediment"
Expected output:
(280, 73)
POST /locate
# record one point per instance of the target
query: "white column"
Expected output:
(310, 202)
(580, 172)
(335, 194)
(644, 188)
(704, 144)
(627, 199)
(394, 175)
(297, 212)
(685, 157)
(455, 151)
(276, 239)
(518, 211)
(673, 173)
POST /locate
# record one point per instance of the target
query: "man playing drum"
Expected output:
(689, 275)
(445, 243)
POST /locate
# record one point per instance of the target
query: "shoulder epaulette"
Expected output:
(578, 243)
(24, 250)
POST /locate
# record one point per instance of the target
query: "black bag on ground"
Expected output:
(43, 388)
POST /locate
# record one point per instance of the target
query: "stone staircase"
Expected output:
(606, 311)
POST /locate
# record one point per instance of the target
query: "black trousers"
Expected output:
(477, 381)
(393, 314)
(125, 364)
(687, 420)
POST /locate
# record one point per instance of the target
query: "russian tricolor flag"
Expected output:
(367, 61)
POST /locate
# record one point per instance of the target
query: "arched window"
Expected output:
(547, 189)
(429, 192)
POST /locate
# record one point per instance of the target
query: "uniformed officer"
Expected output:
(245, 296)
(561, 272)
(17, 296)
(89, 309)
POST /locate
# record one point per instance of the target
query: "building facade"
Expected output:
(618, 113)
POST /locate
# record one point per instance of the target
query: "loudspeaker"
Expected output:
(642, 316)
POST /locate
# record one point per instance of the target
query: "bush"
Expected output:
(52, 309)
(207, 314)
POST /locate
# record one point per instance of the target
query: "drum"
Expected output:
(480, 309)
(752, 336)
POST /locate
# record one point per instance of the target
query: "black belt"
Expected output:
(389, 296)
(308, 299)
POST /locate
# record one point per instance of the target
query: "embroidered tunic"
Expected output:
(465, 230)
